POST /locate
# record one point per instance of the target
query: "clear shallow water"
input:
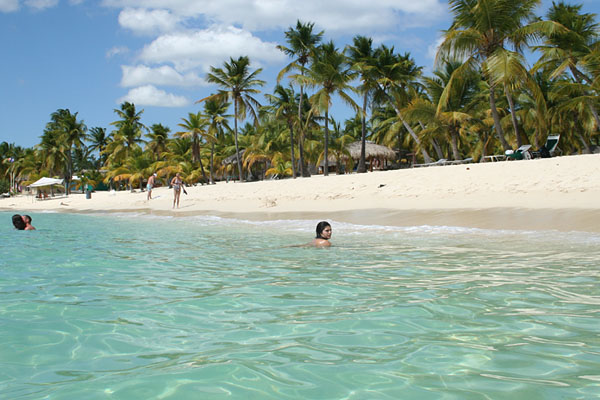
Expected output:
(142, 307)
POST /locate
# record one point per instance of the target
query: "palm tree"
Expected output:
(159, 136)
(302, 43)
(67, 134)
(575, 48)
(98, 142)
(196, 128)
(397, 84)
(362, 57)
(448, 119)
(483, 28)
(137, 166)
(238, 84)
(128, 134)
(332, 73)
(283, 102)
(216, 112)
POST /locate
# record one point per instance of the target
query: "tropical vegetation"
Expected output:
(503, 77)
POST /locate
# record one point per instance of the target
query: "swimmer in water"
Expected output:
(323, 235)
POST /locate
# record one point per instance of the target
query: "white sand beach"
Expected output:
(560, 193)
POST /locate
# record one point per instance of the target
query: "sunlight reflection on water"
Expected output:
(156, 307)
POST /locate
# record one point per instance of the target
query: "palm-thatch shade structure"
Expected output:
(375, 155)
(372, 150)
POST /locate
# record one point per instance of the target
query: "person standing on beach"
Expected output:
(27, 221)
(323, 235)
(150, 185)
(177, 184)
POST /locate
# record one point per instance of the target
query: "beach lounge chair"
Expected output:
(493, 157)
(522, 153)
(441, 161)
(549, 149)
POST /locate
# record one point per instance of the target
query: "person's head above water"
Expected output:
(27, 219)
(323, 230)
(18, 222)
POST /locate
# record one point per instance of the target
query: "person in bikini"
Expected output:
(177, 184)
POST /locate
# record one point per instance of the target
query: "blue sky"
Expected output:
(91, 55)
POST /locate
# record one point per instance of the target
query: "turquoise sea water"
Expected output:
(144, 307)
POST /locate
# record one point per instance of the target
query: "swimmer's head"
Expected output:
(323, 230)
(18, 222)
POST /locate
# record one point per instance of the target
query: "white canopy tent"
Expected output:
(46, 182)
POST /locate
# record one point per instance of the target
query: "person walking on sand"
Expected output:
(177, 184)
(323, 235)
(150, 185)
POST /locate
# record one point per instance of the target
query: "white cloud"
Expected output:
(341, 16)
(151, 96)
(161, 76)
(147, 22)
(188, 50)
(41, 4)
(115, 51)
(433, 48)
(9, 5)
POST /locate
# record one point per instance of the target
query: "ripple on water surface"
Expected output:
(131, 307)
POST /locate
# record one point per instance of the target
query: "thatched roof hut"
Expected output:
(372, 150)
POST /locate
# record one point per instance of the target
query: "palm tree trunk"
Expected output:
(196, 155)
(454, 143)
(212, 158)
(426, 157)
(497, 125)
(362, 167)
(513, 115)
(291, 127)
(437, 148)
(237, 148)
(326, 164)
(303, 170)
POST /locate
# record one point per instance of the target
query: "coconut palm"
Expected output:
(398, 84)
(159, 137)
(362, 56)
(216, 112)
(98, 142)
(128, 135)
(332, 74)
(576, 48)
(137, 166)
(283, 103)
(447, 118)
(302, 43)
(238, 84)
(67, 134)
(196, 128)
(481, 29)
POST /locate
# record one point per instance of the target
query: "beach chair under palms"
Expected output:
(549, 149)
(522, 153)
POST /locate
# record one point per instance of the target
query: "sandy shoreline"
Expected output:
(560, 193)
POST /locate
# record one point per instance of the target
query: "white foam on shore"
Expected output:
(347, 229)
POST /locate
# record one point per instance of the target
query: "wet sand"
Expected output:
(559, 193)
